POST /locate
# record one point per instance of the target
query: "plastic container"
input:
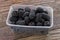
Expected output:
(30, 29)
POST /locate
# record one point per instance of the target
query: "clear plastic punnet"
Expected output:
(29, 28)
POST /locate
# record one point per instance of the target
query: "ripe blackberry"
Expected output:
(45, 12)
(31, 24)
(32, 15)
(20, 19)
(39, 15)
(36, 19)
(20, 22)
(46, 23)
(42, 20)
(39, 20)
(13, 19)
(27, 9)
(26, 14)
(20, 9)
(39, 10)
(20, 12)
(39, 24)
(14, 13)
(26, 19)
(45, 17)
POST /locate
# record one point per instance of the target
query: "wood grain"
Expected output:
(54, 33)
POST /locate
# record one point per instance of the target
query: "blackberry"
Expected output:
(20, 19)
(46, 23)
(39, 20)
(32, 15)
(20, 12)
(26, 14)
(31, 24)
(13, 19)
(14, 13)
(39, 24)
(45, 12)
(39, 15)
(42, 20)
(20, 9)
(39, 10)
(27, 9)
(20, 22)
(46, 17)
(26, 19)
(36, 19)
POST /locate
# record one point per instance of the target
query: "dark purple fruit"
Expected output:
(32, 15)
(39, 15)
(20, 9)
(26, 19)
(45, 17)
(13, 19)
(39, 20)
(39, 10)
(46, 23)
(20, 22)
(20, 12)
(14, 13)
(26, 14)
(27, 9)
(42, 20)
(39, 24)
(31, 24)
(20, 19)
(45, 12)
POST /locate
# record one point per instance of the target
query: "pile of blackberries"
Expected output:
(30, 17)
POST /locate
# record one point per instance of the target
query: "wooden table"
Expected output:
(7, 34)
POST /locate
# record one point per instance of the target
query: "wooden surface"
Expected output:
(7, 34)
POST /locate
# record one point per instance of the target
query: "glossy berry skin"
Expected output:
(32, 15)
(46, 23)
(20, 22)
(42, 20)
(39, 20)
(20, 9)
(45, 12)
(14, 13)
(13, 19)
(39, 24)
(39, 15)
(31, 24)
(26, 19)
(27, 9)
(20, 19)
(45, 17)
(39, 10)
(26, 14)
(20, 12)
